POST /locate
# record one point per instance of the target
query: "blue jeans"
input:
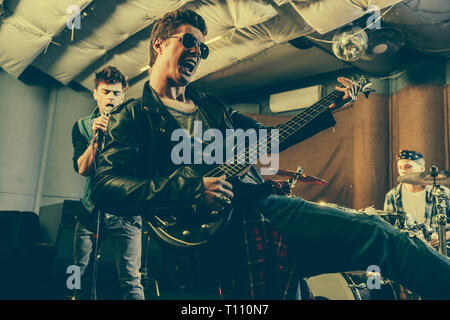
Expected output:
(325, 239)
(124, 235)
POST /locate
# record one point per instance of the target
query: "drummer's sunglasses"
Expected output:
(189, 41)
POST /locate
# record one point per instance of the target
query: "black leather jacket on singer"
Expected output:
(134, 170)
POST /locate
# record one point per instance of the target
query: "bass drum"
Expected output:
(352, 286)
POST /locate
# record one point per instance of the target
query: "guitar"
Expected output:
(196, 226)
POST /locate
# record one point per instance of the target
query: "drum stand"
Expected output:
(293, 181)
(439, 199)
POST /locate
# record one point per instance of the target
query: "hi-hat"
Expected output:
(300, 176)
(385, 214)
(425, 178)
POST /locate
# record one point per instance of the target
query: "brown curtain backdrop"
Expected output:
(371, 151)
(357, 156)
(328, 155)
(419, 121)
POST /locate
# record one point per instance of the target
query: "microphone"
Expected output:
(107, 113)
(108, 110)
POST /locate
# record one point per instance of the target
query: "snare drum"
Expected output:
(350, 286)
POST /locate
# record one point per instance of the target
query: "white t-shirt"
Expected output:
(414, 204)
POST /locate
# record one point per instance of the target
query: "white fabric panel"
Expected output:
(327, 15)
(157, 8)
(223, 18)
(277, 29)
(127, 18)
(244, 43)
(281, 2)
(26, 33)
(18, 48)
(130, 64)
(224, 53)
(223, 15)
(50, 16)
(237, 30)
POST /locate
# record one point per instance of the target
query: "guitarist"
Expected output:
(136, 174)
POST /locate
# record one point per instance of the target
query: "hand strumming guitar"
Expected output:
(217, 192)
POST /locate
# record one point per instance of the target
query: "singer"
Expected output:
(123, 233)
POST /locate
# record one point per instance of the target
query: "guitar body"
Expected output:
(192, 226)
(189, 227)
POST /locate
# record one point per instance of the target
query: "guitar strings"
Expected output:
(232, 169)
(244, 158)
(312, 112)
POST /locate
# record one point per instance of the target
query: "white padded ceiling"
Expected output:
(116, 32)
(325, 16)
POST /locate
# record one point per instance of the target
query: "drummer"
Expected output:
(413, 199)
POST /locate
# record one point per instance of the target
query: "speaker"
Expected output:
(25, 261)
(54, 217)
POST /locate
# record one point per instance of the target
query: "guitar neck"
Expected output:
(295, 124)
(285, 130)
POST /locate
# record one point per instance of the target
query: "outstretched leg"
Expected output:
(325, 239)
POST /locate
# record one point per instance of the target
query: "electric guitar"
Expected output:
(196, 226)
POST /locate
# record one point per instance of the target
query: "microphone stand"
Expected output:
(439, 198)
(99, 215)
(96, 256)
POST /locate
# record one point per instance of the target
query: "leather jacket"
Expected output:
(135, 172)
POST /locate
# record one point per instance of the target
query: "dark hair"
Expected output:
(164, 27)
(110, 75)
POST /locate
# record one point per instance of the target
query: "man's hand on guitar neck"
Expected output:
(217, 192)
(348, 90)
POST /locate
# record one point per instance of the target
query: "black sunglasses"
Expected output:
(189, 41)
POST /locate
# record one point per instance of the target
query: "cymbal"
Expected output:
(385, 214)
(302, 177)
(396, 215)
(425, 178)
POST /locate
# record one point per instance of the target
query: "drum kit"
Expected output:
(437, 196)
(353, 285)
